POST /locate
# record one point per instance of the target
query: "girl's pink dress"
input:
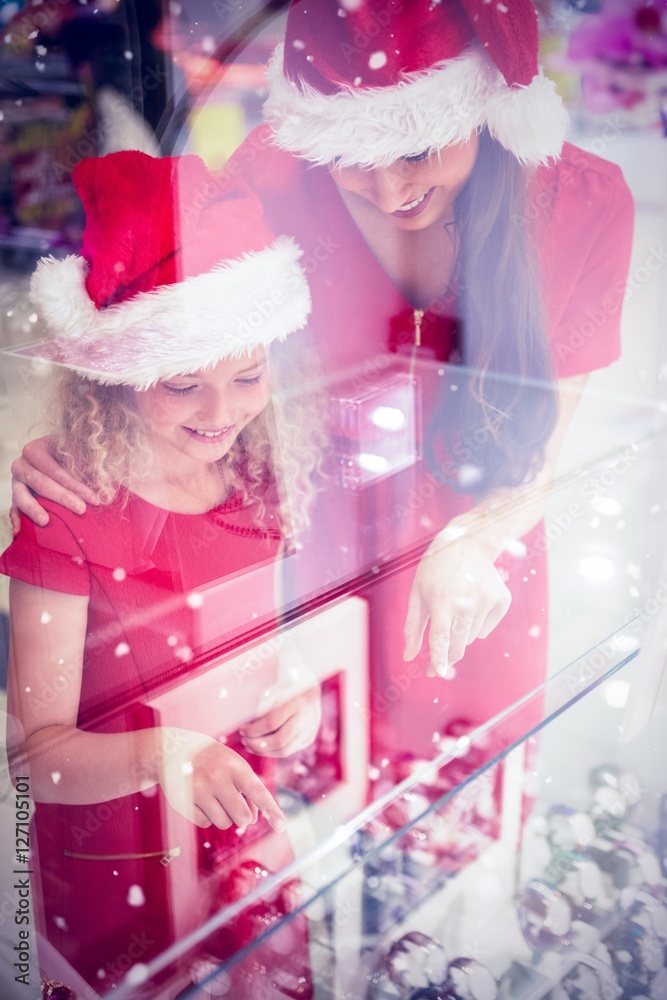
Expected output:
(143, 569)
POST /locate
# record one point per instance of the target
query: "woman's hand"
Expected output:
(38, 471)
(208, 782)
(286, 729)
(458, 587)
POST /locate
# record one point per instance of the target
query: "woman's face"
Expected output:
(195, 419)
(414, 192)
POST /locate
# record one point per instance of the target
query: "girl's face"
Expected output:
(415, 191)
(198, 417)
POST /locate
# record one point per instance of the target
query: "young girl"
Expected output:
(164, 409)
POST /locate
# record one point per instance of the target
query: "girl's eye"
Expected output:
(418, 157)
(253, 380)
(178, 390)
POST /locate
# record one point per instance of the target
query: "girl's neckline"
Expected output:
(232, 503)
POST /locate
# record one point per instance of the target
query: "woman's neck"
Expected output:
(419, 263)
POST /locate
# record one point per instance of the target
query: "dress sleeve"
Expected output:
(592, 242)
(51, 557)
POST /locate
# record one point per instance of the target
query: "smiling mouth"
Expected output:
(414, 207)
(411, 204)
(209, 435)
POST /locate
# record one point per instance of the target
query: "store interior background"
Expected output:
(600, 570)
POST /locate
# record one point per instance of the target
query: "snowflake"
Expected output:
(135, 896)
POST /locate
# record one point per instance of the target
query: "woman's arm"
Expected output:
(204, 780)
(457, 585)
(37, 470)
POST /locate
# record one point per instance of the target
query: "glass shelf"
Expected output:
(400, 862)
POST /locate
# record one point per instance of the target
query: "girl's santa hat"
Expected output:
(175, 274)
(364, 82)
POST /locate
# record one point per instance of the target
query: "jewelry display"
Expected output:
(545, 915)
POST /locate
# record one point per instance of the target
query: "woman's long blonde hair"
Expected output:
(100, 437)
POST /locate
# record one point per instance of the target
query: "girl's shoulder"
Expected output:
(68, 540)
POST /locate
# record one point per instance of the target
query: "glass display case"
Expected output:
(517, 855)
(535, 873)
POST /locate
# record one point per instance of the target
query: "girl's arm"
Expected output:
(457, 585)
(204, 780)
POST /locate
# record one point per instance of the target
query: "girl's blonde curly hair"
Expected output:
(100, 437)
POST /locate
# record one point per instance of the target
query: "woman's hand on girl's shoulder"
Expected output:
(37, 471)
(210, 783)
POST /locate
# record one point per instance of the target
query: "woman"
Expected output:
(416, 153)
(164, 409)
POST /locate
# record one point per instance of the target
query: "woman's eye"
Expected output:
(250, 381)
(418, 157)
(178, 390)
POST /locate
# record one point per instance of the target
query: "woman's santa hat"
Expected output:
(174, 275)
(364, 82)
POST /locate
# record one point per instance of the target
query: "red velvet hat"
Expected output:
(172, 278)
(368, 81)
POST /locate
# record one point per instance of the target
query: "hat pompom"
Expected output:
(529, 121)
(58, 289)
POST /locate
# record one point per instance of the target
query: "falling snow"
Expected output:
(135, 896)
(46, 618)
(122, 649)
(119, 574)
(137, 974)
(377, 60)
(55, 777)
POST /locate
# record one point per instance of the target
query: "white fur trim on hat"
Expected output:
(176, 329)
(434, 108)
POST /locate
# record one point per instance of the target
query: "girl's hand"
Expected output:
(208, 782)
(38, 471)
(286, 729)
(458, 587)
